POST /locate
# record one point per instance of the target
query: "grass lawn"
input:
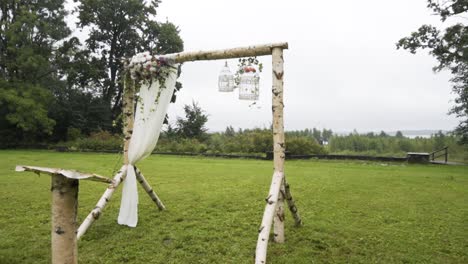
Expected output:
(354, 212)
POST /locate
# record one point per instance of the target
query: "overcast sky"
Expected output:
(342, 70)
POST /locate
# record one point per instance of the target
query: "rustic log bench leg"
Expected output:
(64, 221)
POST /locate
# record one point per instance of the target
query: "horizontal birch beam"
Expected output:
(250, 51)
(71, 174)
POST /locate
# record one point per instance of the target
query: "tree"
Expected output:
(120, 29)
(193, 125)
(399, 134)
(303, 146)
(439, 140)
(317, 134)
(449, 47)
(383, 134)
(30, 34)
(327, 134)
(230, 132)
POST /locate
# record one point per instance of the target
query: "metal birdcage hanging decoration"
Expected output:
(249, 84)
(226, 80)
(247, 79)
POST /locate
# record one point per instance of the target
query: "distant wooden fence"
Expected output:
(268, 155)
(348, 157)
(439, 153)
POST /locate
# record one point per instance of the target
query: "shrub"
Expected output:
(181, 145)
(98, 141)
(303, 146)
(73, 134)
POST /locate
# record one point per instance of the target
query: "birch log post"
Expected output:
(141, 179)
(96, 212)
(278, 159)
(64, 213)
(128, 108)
(278, 137)
(278, 219)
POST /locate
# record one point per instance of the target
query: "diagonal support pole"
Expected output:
(291, 204)
(96, 212)
(267, 220)
(141, 179)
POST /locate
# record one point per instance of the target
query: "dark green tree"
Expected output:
(79, 104)
(439, 140)
(383, 134)
(327, 134)
(450, 48)
(30, 34)
(317, 134)
(120, 29)
(230, 132)
(193, 125)
(399, 134)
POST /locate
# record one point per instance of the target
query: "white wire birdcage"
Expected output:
(249, 84)
(226, 80)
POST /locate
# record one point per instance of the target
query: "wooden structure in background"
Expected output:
(64, 205)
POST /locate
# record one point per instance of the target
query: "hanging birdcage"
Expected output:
(249, 84)
(226, 80)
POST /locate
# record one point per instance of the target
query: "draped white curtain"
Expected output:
(150, 112)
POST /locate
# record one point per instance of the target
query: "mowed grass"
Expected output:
(353, 212)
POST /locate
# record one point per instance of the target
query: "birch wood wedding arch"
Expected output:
(65, 182)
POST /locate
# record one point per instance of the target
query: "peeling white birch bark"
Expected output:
(267, 220)
(149, 190)
(250, 51)
(71, 174)
(278, 162)
(96, 212)
(278, 137)
(128, 109)
(64, 218)
(278, 219)
(292, 204)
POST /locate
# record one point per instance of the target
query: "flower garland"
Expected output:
(245, 65)
(144, 68)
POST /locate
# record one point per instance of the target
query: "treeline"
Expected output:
(258, 141)
(55, 86)
(188, 134)
(252, 141)
(247, 141)
(383, 144)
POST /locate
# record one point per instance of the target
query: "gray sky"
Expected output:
(342, 70)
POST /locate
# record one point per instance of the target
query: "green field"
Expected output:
(354, 212)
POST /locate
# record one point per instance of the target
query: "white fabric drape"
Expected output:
(149, 117)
